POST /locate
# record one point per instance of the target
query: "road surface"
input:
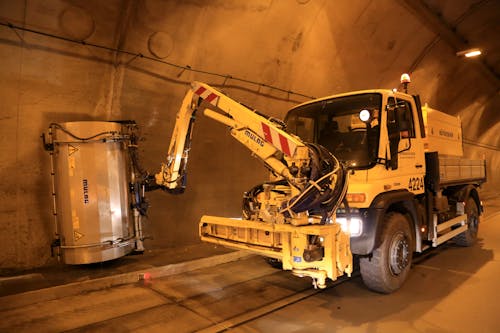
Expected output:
(450, 289)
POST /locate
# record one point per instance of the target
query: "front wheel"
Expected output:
(388, 266)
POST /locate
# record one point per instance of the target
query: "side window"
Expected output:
(404, 117)
(302, 127)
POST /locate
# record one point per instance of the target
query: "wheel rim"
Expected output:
(472, 222)
(399, 254)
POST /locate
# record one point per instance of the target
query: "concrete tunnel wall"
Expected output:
(313, 47)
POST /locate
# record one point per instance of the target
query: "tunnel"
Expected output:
(64, 61)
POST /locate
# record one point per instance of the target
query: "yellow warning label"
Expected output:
(77, 235)
(72, 150)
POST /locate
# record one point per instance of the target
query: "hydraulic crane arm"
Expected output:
(314, 178)
(290, 218)
(262, 136)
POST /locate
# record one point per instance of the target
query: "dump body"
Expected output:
(444, 137)
(443, 132)
(455, 171)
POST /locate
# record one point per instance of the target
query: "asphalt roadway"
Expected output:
(450, 289)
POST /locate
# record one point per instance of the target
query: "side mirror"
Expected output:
(393, 162)
(404, 129)
(394, 147)
(395, 115)
(393, 131)
(403, 126)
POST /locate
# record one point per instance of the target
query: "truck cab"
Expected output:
(397, 201)
(371, 132)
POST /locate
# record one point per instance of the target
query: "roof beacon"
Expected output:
(405, 79)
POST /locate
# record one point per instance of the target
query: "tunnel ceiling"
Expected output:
(464, 25)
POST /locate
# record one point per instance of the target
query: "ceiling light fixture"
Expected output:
(469, 53)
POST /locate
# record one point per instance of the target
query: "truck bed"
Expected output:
(446, 170)
(457, 170)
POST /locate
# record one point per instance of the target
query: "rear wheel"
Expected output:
(275, 263)
(387, 268)
(469, 236)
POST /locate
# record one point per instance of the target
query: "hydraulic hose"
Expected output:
(326, 188)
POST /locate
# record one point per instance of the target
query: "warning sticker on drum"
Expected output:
(77, 235)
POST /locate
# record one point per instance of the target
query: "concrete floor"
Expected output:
(452, 289)
(151, 261)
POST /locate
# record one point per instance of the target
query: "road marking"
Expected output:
(432, 268)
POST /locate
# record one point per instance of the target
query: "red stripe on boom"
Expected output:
(211, 97)
(284, 145)
(267, 133)
(200, 91)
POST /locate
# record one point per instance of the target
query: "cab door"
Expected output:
(407, 149)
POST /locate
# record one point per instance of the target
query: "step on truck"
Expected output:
(370, 173)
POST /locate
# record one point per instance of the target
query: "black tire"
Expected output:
(387, 268)
(469, 236)
(274, 263)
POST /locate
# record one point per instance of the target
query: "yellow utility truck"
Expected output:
(410, 188)
(371, 173)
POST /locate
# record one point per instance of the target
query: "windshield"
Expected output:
(336, 124)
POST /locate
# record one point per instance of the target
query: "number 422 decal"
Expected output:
(416, 183)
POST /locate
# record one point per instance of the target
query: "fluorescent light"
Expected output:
(469, 53)
(473, 53)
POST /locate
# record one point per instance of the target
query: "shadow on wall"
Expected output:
(227, 82)
(490, 116)
(220, 170)
(28, 224)
(481, 125)
(492, 158)
(25, 228)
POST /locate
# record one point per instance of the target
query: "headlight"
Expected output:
(353, 226)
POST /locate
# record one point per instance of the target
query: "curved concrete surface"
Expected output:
(315, 47)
